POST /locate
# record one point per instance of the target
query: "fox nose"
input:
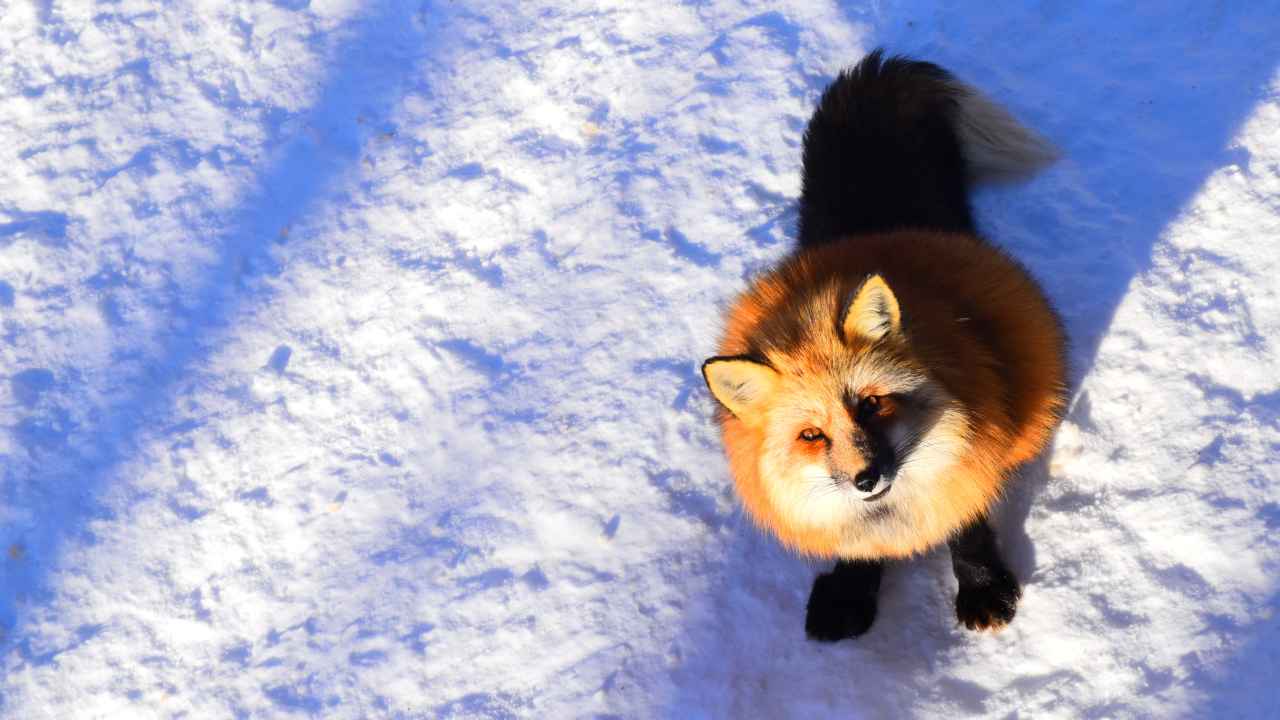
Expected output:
(866, 480)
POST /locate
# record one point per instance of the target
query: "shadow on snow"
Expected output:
(311, 153)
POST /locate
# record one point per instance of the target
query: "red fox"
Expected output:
(878, 387)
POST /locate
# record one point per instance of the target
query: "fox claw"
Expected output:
(989, 606)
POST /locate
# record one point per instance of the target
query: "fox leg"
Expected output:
(842, 603)
(988, 595)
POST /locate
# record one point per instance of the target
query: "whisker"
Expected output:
(821, 490)
(818, 493)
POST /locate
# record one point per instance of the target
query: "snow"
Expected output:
(351, 353)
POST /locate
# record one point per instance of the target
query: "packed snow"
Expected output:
(351, 361)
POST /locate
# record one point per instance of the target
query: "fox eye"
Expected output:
(811, 435)
(869, 407)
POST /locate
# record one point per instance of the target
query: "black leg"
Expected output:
(842, 603)
(988, 595)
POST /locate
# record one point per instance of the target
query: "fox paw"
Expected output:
(989, 606)
(837, 611)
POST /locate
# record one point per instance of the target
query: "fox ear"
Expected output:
(873, 312)
(740, 384)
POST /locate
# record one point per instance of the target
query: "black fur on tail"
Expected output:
(882, 152)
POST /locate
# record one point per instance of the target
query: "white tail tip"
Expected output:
(996, 147)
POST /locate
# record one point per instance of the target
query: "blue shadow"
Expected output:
(309, 155)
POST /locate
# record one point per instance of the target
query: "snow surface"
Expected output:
(350, 355)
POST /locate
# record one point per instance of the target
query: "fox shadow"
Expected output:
(1086, 76)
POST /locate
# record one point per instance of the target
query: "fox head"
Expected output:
(846, 424)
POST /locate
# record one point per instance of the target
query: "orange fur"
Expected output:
(972, 319)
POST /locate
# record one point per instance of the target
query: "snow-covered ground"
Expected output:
(350, 355)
